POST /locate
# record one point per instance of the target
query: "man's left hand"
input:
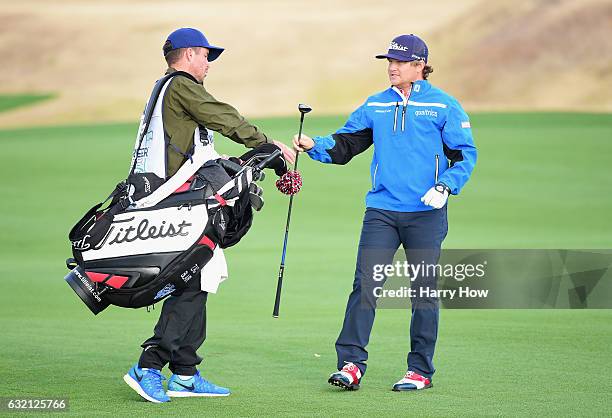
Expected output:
(435, 198)
(288, 153)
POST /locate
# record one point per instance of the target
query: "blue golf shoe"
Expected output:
(147, 383)
(194, 386)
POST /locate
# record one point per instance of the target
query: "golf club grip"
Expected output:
(262, 164)
(279, 288)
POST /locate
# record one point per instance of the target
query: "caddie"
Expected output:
(423, 152)
(188, 113)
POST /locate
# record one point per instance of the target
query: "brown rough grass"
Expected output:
(102, 57)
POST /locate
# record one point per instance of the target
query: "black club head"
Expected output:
(304, 108)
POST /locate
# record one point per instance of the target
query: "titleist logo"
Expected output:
(147, 187)
(82, 244)
(397, 47)
(143, 232)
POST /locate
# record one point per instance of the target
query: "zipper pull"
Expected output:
(395, 117)
(437, 167)
(403, 114)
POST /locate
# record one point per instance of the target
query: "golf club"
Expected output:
(303, 108)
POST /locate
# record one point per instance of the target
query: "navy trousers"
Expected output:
(421, 235)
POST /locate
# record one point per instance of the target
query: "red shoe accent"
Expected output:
(415, 376)
(353, 370)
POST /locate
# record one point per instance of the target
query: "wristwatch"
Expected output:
(441, 187)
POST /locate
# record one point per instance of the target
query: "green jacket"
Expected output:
(186, 105)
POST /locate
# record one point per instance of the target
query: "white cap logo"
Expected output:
(397, 46)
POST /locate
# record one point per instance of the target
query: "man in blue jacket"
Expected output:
(423, 151)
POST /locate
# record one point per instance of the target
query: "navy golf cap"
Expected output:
(189, 38)
(406, 48)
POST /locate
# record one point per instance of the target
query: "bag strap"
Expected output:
(150, 108)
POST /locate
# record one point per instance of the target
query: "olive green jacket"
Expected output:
(186, 105)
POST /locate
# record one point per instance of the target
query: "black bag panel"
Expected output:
(231, 165)
(93, 226)
(213, 174)
(228, 224)
(144, 184)
(89, 231)
(141, 269)
(219, 219)
(171, 281)
(239, 220)
(81, 228)
(86, 290)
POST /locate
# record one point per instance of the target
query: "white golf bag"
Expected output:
(157, 233)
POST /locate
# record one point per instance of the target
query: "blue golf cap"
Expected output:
(189, 38)
(406, 48)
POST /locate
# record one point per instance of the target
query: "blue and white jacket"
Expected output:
(418, 141)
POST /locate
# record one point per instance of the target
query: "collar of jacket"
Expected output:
(171, 70)
(418, 87)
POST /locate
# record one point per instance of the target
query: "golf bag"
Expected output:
(156, 235)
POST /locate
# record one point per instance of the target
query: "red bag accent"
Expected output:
(221, 200)
(97, 277)
(116, 281)
(208, 242)
(185, 187)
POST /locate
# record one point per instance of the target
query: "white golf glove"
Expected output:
(436, 197)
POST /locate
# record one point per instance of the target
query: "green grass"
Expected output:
(542, 181)
(13, 101)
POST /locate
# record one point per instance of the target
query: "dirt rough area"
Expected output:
(101, 57)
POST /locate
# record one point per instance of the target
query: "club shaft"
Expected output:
(281, 270)
(297, 154)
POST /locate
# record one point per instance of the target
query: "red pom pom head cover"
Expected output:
(289, 183)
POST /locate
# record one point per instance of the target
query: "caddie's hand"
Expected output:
(288, 153)
(305, 143)
(437, 196)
